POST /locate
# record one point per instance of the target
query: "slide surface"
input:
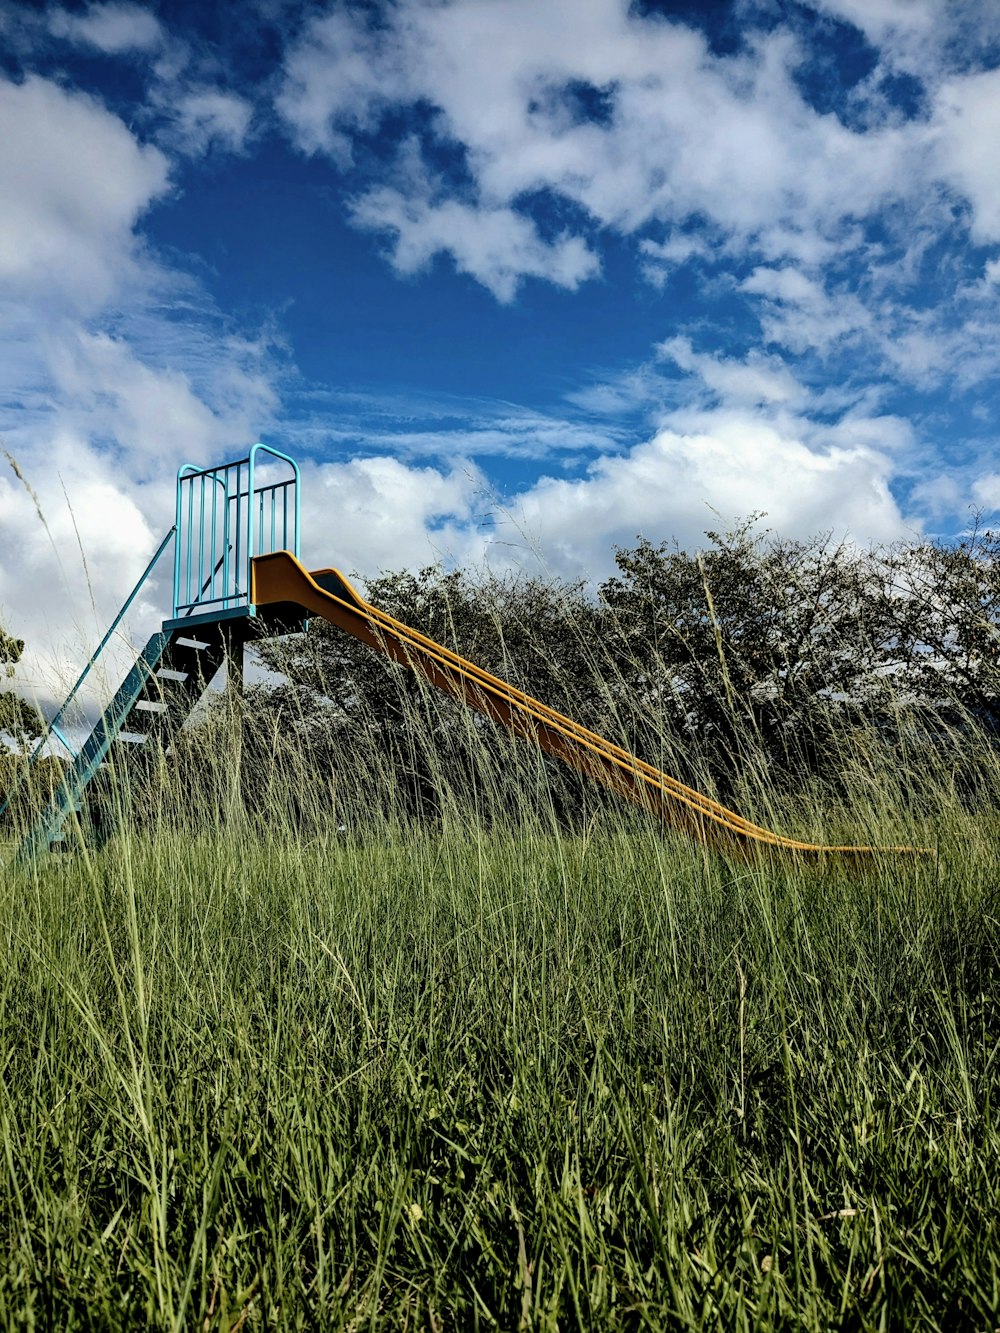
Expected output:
(280, 578)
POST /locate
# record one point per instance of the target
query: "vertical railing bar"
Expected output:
(215, 563)
(177, 566)
(226, 535)
(284, 517)
(182, 579)
(250, 542)
(190, 527)
(239, 528)
(298, 512)
(201, 539)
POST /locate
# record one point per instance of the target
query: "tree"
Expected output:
(20, 725)
(755, 642)
(20, 722)
(382, 731)
(755, 654)
(949, 622)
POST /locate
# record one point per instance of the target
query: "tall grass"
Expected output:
(312, 1062)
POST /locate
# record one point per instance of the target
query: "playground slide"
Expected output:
(280, 578)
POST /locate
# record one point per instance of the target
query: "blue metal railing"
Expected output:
(224, 519)
(54, 728)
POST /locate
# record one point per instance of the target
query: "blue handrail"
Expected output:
(54, 728)
(223, 515)
(297, 476)
(223, 520)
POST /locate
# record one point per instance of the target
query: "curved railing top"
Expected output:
(225, 517)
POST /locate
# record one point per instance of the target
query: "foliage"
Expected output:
(20, 722)
(765, 637)
(359, 715)
(757, 651)
(949, 626)
(10, 649)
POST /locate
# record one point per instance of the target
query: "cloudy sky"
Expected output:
(514, 279)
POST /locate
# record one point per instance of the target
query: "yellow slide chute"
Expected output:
(280, 579)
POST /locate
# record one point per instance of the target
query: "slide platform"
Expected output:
(279, 579)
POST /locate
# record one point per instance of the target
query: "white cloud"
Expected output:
(102, 461)
(155, 413)
(918, 345)
(102, 392)
(788, 285)
(389, 515)
(886, 434)
(102, 464)
(986, 492)
(611, 120)
(967, 120)
(338, 78)
(496, 246)
(660, 258)
(204, 118)
(927, 38)
(798, 313)
(931, 350)
(514, 433)
(939, 496)
(682, 481)
(705, 468)
(757, 379)
(191, 114)
(685, 134)
(113, 29)
(54, 600)
(74, 181)
(881, 20)
(616, 395)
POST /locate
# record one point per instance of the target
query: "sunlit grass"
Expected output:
(441, 1039)
(499, 1074)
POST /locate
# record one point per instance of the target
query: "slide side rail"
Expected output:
(279, 578)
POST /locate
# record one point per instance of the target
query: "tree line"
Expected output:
(756, 650)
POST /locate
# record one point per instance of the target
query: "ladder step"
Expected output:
(147, 722)
(158, 694)
(192, 665)
(149, 708)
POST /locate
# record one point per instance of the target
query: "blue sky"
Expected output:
(515, 279)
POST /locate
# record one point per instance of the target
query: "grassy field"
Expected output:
(510, 1078)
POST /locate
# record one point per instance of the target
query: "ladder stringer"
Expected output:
(147, 703)
(66, 801)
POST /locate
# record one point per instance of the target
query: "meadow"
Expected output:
(504, 1071)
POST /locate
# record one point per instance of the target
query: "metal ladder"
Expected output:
(224, 518)
(149, 708)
